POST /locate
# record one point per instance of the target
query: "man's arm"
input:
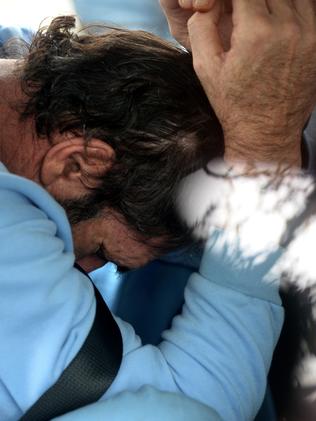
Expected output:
(248, 95)
(219, 349)
(262, 104)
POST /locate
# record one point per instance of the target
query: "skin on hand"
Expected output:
(263, 88)
(178, 12)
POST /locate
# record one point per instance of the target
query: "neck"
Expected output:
(20, 149)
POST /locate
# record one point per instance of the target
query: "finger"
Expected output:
(186, 4)
(205, 40)
(245, 10)
(281, 8)
(228, 7)
(203, 5)
(169, 4)
(306, 9)
(197, 5)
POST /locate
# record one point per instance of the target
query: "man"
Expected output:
(67, 168)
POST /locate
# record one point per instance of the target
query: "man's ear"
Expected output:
(72, 166)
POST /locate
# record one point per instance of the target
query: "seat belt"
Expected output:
(89, 374)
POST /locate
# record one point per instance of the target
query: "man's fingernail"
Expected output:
(186, 4)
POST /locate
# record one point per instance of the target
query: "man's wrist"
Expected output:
(281, 150)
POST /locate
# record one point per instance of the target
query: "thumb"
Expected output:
(206, 43)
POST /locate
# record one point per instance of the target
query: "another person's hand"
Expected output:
(263, 88)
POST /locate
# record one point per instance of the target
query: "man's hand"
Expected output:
(178, 12)
(263, 88)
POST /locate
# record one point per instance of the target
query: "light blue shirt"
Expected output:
(218, 350)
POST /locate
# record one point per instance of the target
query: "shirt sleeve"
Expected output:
(219, 348)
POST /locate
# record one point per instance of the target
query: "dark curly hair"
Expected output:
(139, 94)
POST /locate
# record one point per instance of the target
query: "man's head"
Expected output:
(127, 119)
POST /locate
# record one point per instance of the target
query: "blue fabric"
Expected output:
(150, 297)
(147, 404)
(46, 306)
(217, 351)
(267, 410)
(108, 281)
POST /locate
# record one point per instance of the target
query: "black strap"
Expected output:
(89, 374)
